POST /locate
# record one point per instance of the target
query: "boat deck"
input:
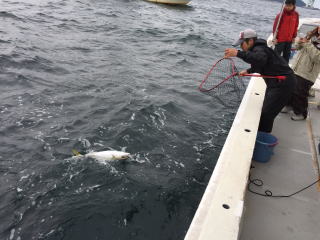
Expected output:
(293, 166)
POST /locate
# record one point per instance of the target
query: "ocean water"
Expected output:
(95, 75)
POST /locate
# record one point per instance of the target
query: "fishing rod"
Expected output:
(278, 23)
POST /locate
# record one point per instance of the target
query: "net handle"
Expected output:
(234, 73)
(281, 78)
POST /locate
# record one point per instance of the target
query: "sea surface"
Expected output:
(96, 75)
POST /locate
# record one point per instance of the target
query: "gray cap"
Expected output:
(248, 33)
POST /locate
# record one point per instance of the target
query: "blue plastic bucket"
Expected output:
(292, 53)
(263, 149)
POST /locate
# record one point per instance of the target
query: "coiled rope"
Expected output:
(259, 183)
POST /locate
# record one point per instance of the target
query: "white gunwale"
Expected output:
(229, 179)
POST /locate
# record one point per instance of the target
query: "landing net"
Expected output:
(223, 79)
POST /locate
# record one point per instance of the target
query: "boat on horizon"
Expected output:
(173, 2)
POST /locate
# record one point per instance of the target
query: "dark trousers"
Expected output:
(299, 99)
(275, 99)
(283, 49)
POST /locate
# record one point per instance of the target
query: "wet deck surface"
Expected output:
(291, 168)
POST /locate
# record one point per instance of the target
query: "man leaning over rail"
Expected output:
(265, 61)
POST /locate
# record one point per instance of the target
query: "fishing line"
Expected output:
(259, 183)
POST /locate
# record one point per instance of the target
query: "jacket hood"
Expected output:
(260, 42)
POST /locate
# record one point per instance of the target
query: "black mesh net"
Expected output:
(223, 81)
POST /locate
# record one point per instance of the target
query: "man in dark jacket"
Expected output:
(265, 61)
(285, 29)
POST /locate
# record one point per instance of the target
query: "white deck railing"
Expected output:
(220, 211)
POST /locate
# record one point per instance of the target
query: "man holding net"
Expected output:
(265, 61)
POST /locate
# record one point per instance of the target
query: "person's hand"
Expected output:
(230, 52)
(302, 40)
(243, 72)
(274, 41)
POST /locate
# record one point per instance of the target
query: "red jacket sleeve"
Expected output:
(296, 27)
(275, 23)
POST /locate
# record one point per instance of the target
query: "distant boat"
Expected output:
(180, 2)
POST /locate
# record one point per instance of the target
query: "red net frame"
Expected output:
(222, 79)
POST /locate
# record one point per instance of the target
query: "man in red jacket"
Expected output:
(287, 29)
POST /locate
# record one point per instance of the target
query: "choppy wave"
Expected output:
(8, 15)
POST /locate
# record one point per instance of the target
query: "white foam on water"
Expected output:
(24, 177)
(85, 142)
(98, 145)
(63, 139)
(140, 158)
(49, 233)
(12, 233)
(94, 187)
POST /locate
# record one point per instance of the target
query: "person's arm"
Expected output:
(296, 26)
(257, 58)
(298, 45)
(313, 52)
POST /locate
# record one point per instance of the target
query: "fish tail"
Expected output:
(76, 153)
